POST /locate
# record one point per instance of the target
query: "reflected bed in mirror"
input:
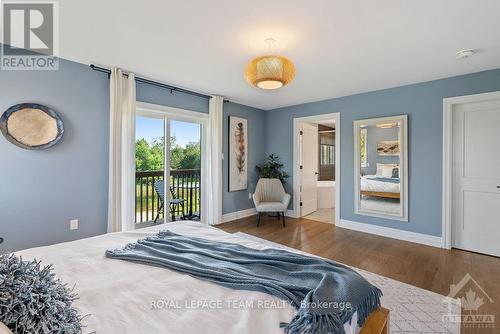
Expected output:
(380, 169)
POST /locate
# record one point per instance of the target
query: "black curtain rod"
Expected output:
(155, 83)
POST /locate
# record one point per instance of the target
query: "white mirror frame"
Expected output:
(403, 140)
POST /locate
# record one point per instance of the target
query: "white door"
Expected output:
(476, 177)
(309, 163)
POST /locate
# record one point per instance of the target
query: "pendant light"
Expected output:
(270, 71)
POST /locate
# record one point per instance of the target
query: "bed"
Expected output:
(385, 183)
(374, 185)
(125, 297)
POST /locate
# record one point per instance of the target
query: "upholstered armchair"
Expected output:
(270, 196)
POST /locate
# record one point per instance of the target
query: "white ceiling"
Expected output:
(339, 47)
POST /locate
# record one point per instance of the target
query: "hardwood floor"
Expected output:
(322, 216)
(426, 267)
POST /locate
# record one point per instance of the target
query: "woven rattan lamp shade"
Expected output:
(270, 72)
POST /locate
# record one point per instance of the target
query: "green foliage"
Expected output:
(362, 148)
(272, 168)
(142, 155)
(149, 156)
(191, 159)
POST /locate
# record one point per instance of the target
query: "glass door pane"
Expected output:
(185, 170)
(150, 163)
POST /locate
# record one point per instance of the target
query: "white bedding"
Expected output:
(368, 183)
(118, 295)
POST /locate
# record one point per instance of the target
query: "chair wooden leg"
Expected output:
(258, 219)
(283, 214)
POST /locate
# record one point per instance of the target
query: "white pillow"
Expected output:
(385, 170)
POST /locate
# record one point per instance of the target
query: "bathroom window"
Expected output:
(326, 156)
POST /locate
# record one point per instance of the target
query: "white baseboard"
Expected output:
(238, 214)
(425, 239)
(290, 213)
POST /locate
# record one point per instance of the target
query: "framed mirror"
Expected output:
(381, 167)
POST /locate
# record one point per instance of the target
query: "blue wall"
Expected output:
(238, 200)
(156, 95)
(423, 103)
(41, 191)
(374, 135)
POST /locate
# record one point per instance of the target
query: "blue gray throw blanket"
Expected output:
(325, 293)
(385, 179)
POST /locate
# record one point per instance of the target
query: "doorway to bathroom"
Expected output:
(317, 167)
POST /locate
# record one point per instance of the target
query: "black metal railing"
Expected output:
(185, 185)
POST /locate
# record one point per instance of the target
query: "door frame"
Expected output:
(296, 160)
(447, 195)
(184, 115)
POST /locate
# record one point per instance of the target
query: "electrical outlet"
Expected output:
(249, 195)
(73, 224)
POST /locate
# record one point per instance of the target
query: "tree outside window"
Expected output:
(363, 150)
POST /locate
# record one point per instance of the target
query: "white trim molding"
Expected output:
(448, 104)
(296, 160)
(227, 217)
(150, 110)
(419, 238)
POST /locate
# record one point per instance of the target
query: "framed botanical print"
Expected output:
(238, 153)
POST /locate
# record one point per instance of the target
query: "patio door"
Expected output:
(185, 169)
(150, 133)
(168, 164)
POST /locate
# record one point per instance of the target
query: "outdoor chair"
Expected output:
(175, 203)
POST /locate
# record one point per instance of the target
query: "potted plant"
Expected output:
(272, 168)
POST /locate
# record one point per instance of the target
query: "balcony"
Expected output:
(185, 192)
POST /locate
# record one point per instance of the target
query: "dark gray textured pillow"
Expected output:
(33, 300)
(395, 173)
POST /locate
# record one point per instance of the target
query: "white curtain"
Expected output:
(121, 207)
(211, 207)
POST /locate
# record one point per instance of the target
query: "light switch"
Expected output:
(73, 224)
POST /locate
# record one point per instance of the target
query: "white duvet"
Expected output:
(124, 297)
(369, 183)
